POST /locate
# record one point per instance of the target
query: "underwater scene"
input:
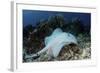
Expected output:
(56, 36)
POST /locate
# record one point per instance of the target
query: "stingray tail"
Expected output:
(34, 56)
(37, 55)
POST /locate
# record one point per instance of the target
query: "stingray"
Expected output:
(55, 42)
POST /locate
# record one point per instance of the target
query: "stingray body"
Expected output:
(55, 42)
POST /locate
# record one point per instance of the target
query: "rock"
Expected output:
(36, 38)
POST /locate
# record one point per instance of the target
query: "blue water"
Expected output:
(33, 16)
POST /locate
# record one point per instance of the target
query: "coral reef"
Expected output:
(34, 39)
